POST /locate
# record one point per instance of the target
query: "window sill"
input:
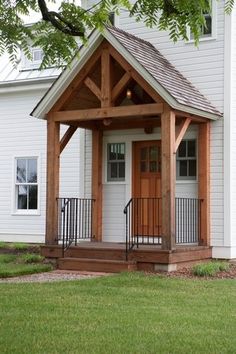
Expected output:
(114, 182)
(26, 212)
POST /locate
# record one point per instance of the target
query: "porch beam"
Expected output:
(180, 132)
(120, 86)
(204, 181)
(93, 87)
(66, 137)
(53, 162)
(110, 112)
(168, 178)
(97, 184)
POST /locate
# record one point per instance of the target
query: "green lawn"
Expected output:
(14, 265)
(128, 313)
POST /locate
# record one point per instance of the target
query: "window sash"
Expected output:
(187, 159)
(119, 163)
(29, 204)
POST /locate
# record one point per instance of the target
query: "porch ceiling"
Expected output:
(168, 84)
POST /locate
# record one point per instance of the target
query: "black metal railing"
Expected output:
(143, 222)
(74, 220)
(187, 220)
(144, 217)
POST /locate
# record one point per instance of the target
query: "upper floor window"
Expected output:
(26, 184)
(116, 162)
(37, 57)
(186, 160)
(209, 30)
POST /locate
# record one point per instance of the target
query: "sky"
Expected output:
(35, 16)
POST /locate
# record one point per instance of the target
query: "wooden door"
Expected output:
(147, 188)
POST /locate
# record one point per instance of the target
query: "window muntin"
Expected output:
(116, 162)
(186, 160)
(26, 183)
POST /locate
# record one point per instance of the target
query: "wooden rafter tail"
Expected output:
(66, 137)
(180, 131)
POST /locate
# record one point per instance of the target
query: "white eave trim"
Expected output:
(70, 72)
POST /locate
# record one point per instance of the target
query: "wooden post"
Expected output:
(168, 178)
(97, 183)
(204, 181)
(53, 162)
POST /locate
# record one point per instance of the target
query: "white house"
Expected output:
(210, 69)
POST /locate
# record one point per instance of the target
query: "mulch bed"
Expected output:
(186, 273)
(30, 249)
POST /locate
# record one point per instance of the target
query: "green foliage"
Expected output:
(18, 246)
(7, 258)
(210, 269)
(13, 265)
(56, 32)
(3, 244)
(32, 258)
(14, 270)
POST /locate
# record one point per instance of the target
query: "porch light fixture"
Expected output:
(129, 94)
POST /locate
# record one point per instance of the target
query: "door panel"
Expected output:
(147, 188)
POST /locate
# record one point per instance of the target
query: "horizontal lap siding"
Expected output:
(22, 135)
(232, 240)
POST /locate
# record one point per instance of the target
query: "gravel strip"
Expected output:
(56, 275)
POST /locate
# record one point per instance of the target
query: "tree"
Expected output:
(56, 33)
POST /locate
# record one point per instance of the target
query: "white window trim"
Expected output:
(16, 211)
(105, 164)
(214, 27)
(189, 180)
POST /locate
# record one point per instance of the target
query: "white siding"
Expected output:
(230, 156)
(22, 135)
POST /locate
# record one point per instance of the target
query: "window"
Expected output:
(186, 161)
(26, 183)
(116, 162)
(209, 30)
(34, 63)
(37, 55)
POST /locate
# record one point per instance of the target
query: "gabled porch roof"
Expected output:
(156, 70)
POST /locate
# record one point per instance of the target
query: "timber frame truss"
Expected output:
(97, 99)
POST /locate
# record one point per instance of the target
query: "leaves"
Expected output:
(56, 33)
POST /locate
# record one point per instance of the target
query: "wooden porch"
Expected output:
(108, 93)
(111, 257)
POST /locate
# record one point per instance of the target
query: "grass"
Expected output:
(13, 265)
(127, 313)
(3, 244)
(19, 246)
(210, 269)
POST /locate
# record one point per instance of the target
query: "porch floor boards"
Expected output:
(111, 257)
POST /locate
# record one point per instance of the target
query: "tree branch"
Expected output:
(58, 21)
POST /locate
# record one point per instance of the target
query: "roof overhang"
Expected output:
(95, 39)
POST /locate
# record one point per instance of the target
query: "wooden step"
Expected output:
(96, 253)
(95, 265)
